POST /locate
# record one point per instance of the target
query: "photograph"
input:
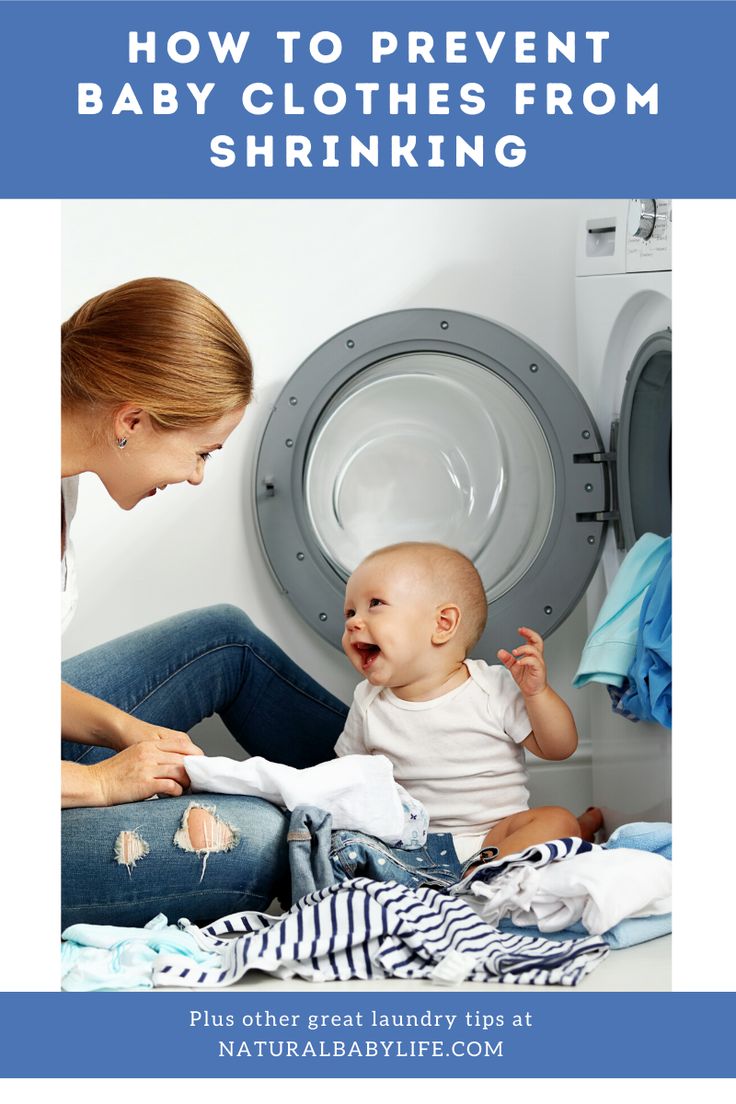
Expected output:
(408, 645)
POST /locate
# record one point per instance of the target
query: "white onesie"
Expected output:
(459, 754)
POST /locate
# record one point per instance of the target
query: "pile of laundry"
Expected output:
(563, 905)
(621, 890)
(630, 646)
(356, 929)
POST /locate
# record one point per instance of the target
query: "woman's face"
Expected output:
(152, 459)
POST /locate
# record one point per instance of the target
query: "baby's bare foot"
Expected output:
(590, 822)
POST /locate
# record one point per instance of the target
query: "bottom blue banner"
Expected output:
(479, 1034)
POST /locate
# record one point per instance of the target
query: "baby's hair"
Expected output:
(453, 574)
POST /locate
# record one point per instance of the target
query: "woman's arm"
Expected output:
(89, 720)
(79, 787)
(134, 774)
(149, 761)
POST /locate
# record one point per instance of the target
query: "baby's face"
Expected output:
(389, 621)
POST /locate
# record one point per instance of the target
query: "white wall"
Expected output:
(290, 274)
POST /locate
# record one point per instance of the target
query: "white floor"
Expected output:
(645, 968)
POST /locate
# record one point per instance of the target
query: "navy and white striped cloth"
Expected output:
(368, 929)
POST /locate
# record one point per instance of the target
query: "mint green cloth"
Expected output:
(95, 956)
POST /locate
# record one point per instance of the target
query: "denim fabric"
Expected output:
(175, 674)
(354, 855)
(319, 857)
(310, 861)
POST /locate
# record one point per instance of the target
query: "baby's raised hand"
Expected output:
(526, 663)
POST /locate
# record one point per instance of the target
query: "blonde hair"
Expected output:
(453, 576)
(160, 344)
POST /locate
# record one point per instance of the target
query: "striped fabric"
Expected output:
(539, 854)
(367, 929)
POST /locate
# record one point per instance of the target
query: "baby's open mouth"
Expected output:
(368, 653)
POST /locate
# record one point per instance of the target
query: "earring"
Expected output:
(122, 442)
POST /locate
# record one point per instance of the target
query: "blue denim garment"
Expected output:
(175, 674)
(309, 838)
(436, 864)
(319, 857)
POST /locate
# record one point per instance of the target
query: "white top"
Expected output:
(459, 754)
(69, 593)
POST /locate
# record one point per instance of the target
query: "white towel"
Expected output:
(599, 888)
(358, 790)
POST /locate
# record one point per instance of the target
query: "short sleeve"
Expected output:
(352, 740)
(516, 721)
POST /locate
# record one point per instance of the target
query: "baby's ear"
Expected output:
(447, 620)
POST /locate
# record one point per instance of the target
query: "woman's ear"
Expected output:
(447, 620)
(129, 419)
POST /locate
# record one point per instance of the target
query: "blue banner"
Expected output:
(366, 99)
(479, 1034)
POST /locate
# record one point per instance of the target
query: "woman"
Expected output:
(155, 378)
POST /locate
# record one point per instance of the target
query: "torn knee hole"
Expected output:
(207, 832)
(202, 831)
(129, 848)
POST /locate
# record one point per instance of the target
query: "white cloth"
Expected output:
(467, 846)
(599, 888)
(69, 592)
(358, 791)
(458, 754)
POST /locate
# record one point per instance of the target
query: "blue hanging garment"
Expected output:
(649, 693)
(612, 645)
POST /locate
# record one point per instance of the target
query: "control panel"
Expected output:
(625, 235)
(649, 235)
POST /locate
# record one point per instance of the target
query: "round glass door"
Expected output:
(429, 446)
(438, 426)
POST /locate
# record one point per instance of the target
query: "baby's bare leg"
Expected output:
(521, 830)
(590, 822)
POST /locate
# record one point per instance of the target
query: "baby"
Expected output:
(454, 728)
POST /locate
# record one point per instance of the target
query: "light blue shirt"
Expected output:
(610, 649)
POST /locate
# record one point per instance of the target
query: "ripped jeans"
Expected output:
(125, 863)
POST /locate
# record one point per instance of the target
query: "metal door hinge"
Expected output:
(611, 513)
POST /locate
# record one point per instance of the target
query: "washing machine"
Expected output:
(623, 299)
(431, 424)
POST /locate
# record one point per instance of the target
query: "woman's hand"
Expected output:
(89, 720)
(526, 664)
(132, 732)
(154, 766)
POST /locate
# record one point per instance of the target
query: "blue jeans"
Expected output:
(320, 857)
(175, 674)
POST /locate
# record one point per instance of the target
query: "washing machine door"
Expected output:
(438, 426)
(642, 442)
